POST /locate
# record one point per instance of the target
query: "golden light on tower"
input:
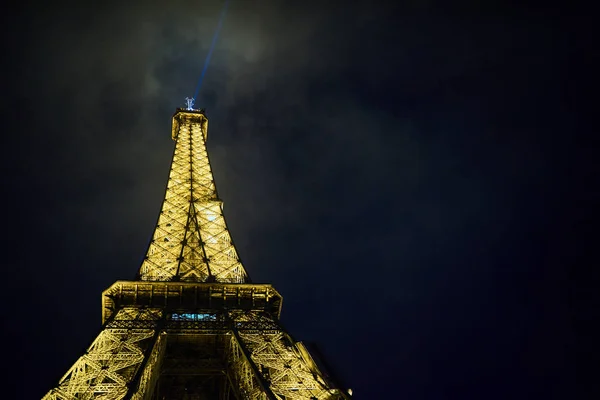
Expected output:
(192, 325)
(191, 242)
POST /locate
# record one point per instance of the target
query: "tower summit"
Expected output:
(193, 326)
(191, 242)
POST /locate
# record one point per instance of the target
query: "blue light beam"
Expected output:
(212, 46)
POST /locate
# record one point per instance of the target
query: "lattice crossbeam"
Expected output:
(111, 362)
(191, 242)
(289, 374)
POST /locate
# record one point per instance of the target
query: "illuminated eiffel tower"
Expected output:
(193, 326)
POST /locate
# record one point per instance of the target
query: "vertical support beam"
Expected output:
(136, 391)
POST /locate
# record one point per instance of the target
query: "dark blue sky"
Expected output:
(409, 178)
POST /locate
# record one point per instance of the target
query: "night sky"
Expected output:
(402, 175)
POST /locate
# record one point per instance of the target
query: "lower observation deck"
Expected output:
(190, 297)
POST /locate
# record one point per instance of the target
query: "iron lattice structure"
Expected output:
(193, 326)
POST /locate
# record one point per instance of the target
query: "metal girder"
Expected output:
(190, 296)
(112, 361)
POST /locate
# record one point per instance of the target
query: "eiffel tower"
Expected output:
(193, 326)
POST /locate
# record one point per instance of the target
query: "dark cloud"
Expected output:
(396, 172)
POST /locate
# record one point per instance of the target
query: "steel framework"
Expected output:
(193, 326)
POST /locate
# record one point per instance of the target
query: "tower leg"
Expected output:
(148, 354)
(284, 366)
(113, 361)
